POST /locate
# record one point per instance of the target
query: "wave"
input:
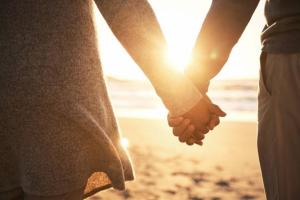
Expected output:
(137, 98)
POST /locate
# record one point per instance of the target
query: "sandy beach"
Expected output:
(225, 167)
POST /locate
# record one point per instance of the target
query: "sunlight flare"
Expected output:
(125, 142)
(178, 59)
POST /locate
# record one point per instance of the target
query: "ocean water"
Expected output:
(238, 98)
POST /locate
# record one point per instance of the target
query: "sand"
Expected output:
(226, 167)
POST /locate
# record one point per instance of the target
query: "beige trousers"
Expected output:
(279, 125)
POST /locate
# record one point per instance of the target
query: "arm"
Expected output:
(136, 27)
(222, 27)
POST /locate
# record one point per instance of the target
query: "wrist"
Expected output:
(199, 78)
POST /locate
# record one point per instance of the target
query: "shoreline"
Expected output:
(246, 117)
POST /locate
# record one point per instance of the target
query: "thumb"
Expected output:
(213, 108)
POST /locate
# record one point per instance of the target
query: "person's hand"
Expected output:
(191, 127)
(184, 130)
(214, 121)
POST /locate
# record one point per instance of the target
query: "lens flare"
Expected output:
(125, 142)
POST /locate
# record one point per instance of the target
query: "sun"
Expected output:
(180, 43)
(178, 58)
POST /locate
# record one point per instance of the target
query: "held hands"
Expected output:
(193, 125)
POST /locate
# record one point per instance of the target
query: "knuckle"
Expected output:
(182, 139)
(199, 136)
(204, 130)
(186, 122)
(190, 130)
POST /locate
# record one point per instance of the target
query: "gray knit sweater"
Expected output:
(57, 127)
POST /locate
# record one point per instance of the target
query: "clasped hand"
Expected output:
(191, 127)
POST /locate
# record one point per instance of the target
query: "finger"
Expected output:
(203, 130)
(174, 121)
(216, 110)
(188, 133)
(198, 135)
(199, 139)
(181, 128)
(201, 125)
(190, 141)
(215, 121)
(199, 142)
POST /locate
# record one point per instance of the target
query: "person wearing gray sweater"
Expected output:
(59, 138)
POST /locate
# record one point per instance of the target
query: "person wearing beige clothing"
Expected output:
(279, 84)
(59, 135)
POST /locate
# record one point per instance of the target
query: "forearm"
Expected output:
(222, 28)
(136, 27)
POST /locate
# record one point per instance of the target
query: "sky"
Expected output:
(181, 21)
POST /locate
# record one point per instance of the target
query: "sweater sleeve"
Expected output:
(222, 28)
(136, 27)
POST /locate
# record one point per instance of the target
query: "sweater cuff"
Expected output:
(189, 98)
(178, 93)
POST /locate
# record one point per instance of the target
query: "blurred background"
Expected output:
(235, 88)
(226, 167)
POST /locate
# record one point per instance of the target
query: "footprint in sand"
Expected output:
(126, 194)
(197, 177)
(196, 198)
(150, 183)
(247, 197)
(171, 192)
(95, 198)
(251, 183)
(199, 180)
(216, 198)
(219, 168)
(233, 180)
(223, 184)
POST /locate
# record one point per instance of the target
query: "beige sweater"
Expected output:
(57, 127)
